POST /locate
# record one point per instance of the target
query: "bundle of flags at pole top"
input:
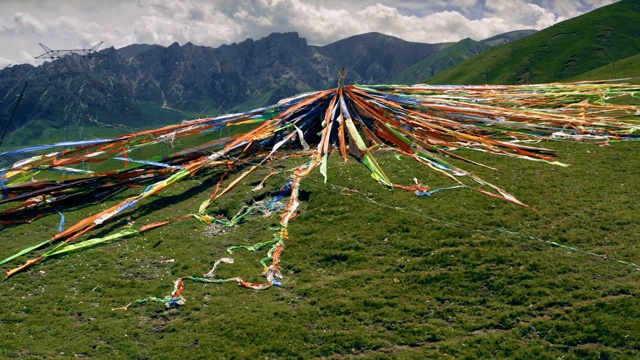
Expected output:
(424, 122)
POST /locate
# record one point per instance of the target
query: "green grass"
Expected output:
(368, 272)
(441, 60)
(558, 53)
(623, 68)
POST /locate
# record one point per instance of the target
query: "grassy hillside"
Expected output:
(368, 272)
(562, 51)
(454, 54)
(440, 61)
(624, 68)
(103, 125)
(507, 37)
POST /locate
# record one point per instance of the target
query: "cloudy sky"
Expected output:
(74, 24)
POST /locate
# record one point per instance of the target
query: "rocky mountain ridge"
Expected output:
(145, 85)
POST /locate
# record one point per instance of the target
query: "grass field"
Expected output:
(369, 273)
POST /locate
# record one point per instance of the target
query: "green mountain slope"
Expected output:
(510, 36)
(625, 68)
(455, 54)
(440, 276)
(441, 60)
(560, 52)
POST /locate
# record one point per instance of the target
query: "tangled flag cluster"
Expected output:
(426, 123)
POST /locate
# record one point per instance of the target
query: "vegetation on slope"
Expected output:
(560, 52)
(623, 68)
(454, 54)
(368, 271)
(441, 60)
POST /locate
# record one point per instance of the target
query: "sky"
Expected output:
(78, 24)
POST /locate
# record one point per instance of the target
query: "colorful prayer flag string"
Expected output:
(424, 122)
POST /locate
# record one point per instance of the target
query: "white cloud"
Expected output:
(21, 23)
(446, 26)
(243, 15)
(320, 24)
(464, 3)
(523, 13)
(25, 57)
(166, 22)
(27, 22)
(4, 62)
(543, 18)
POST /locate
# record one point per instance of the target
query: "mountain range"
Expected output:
(144, 85)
